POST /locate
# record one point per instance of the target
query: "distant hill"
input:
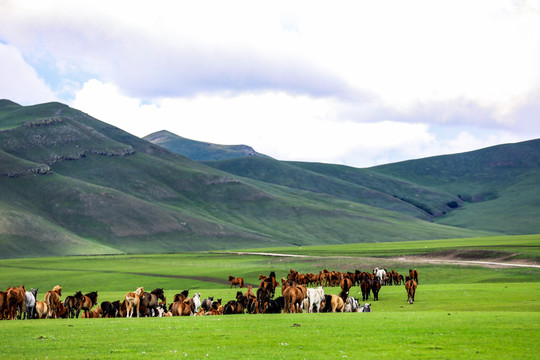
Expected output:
(197, 150)
(493, 189)
(71, 184)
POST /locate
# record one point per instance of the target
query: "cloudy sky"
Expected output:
(350, 82)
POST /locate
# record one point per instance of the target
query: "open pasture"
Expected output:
(459, 312)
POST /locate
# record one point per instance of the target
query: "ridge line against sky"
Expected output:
(359, 83)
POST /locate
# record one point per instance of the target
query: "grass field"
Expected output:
(459, 312)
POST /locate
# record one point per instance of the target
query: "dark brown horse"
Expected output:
(72, 303)
(236, 281)
(181, 297)
(270, 284)
(87, 302)
(365, 286)
(413, 274)
(149, 302)
(183, 307)
(375, 287)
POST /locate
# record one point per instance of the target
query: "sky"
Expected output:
(359, 83)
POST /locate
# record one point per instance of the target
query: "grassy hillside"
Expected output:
(71, 184)
(197, 150)
(493, 189)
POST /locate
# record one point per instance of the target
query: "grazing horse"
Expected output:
(236, 281)
(31, 298)
(410, 286)
(52, 298)
(133, 300)
(16, 301)
(87, 302)
(149, 302)
(413, 275)
(42, 309)
(314, 298)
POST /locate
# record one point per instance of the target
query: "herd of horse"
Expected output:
(296, 297)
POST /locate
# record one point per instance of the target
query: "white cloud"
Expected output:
(19, 82)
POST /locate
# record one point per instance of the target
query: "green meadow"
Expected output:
(459, 312)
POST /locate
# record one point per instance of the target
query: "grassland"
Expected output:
(459, 312)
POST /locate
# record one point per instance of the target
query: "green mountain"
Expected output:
(493, 189)
(71, 184)
(197, 150)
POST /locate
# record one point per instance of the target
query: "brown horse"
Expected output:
(413, 274)
(52, 298)
(149, 302)
(270, 284)
(183, 307)
(72, 303)
(293, 296)
(133, 301)
(410, 286)
(3, 305)
(236, 281)
(365, 286)
(16, 302)
(42, 309)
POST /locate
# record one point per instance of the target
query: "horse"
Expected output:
(275, 306)
(181, 297)
(410, 286)
(381, 274)
(375, 287)
(133, 300)
(16, 302)
(294, 295)
(236, 281)
(52, 298)
(263, 297)
(3, 304)
(270, 284)
(197, 301)
(108, 310)
(149, 301)
(71, 303)
(42, 309)
(414, 275)
(365, 286)
(351, 305)
(183, 308)
(31, 298)
(332, 303)
(87, 302)
(365, 308)
(314, 298)
(206, 304)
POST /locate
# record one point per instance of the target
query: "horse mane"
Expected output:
(157, 292)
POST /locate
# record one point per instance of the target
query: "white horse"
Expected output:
(31, 297)
(197, 301)
(380, 273)
(314, 297)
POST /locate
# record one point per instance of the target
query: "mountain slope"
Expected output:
(197, 150)
(71, 184)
